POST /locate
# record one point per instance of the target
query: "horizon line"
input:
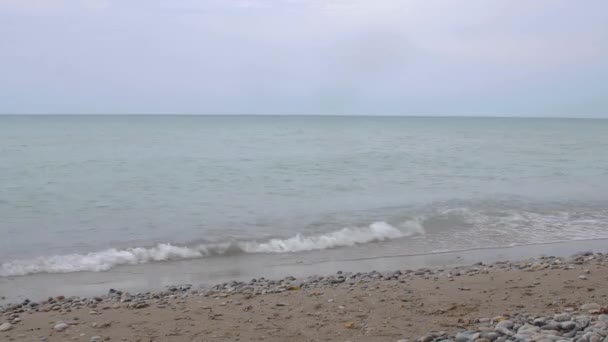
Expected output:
(308, 115)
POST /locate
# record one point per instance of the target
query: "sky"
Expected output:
(338, 57)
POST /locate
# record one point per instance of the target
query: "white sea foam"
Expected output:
(377, 231)
(107, 259)
(100, 261)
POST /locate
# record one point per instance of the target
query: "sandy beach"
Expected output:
(426, 304)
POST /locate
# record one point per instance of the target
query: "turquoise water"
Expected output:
(90, 193)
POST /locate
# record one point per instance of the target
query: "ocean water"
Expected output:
(97, 193)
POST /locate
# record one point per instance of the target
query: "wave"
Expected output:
(377, 231)
(110, 258)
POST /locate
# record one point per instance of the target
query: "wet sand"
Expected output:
(210, 271)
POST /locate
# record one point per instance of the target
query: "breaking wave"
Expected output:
(110, 258)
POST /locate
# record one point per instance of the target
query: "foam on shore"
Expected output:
(107, 259)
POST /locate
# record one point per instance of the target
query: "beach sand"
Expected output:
(373, 306)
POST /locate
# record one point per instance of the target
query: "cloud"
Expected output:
(32, 6)
(296, 56)
(97, 4)
(51, 7)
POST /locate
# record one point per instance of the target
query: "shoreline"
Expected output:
(403, 304)
(210, 271)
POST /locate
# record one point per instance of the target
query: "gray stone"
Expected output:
(551, 326)
(427, 338)
(506, 324)
(96, 339)
(582, 321)
(463, 336)
(466, 336)
(528, 329)
(569, 325)
(490, 335)
(590, 306)
(562, 317)
(571, 333)
(6, 327)
(504, 331)
(59, 327)
(141, 305)
(438, 334)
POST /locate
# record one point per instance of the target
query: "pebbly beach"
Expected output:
(545, 298)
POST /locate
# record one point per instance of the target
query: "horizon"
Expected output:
(320, 115)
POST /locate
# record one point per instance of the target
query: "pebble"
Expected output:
(590, 306)
(562, 317)
(522, 327)
(5, 327)
(427, 338)
(567, 325)
(466, 336)
(59, 327)
(504, 331)
(505, 324)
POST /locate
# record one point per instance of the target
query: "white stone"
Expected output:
(591, 306)
(59, 327)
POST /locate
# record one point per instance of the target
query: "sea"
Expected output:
(144, 201)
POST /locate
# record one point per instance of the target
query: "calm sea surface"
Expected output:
(91, 193)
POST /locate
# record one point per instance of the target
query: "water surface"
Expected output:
(92, 193)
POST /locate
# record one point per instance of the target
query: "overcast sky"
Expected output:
(376, 57)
